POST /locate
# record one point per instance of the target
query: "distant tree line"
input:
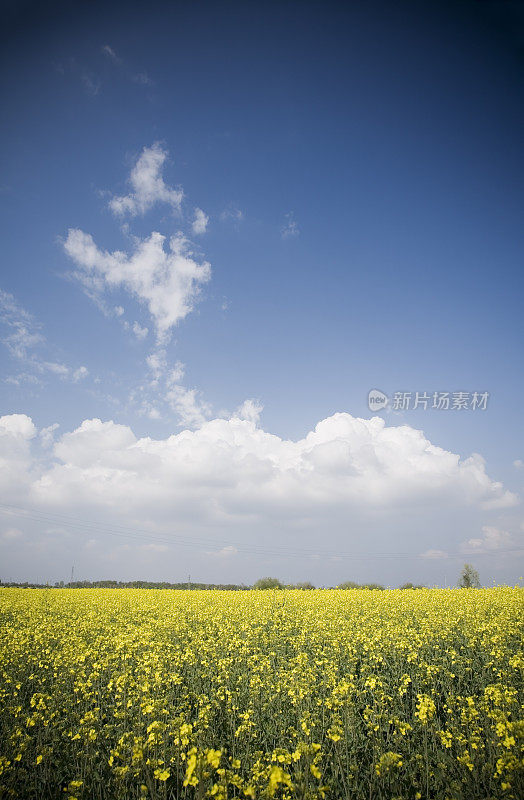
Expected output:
(468, 579)
(126, 585)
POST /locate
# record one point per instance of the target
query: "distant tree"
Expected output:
(469, 578)
(304, 585)
(268, 583)
(410, 585)
(354, 585)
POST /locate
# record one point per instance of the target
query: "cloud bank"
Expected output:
(231, 470)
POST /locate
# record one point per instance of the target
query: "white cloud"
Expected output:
(139, 331)
(24, 331)
(47, 435)
(225, 552)
(230, 470)
(157, 363)
(108, 51)
(80, 373)
(200, 221)
(518, 463)
(147, 185)
(290, 228)
(19, 426)
(175, 374)
(167, 282)
(492, 539)
(18, 468)
(57, 369)
(250, 410)
(92, 84)
(12, 533)
(434, 554)
(191, 409)
(232, 214)
(24, 342)
(188, 404)
(143, 79)
(154, 548)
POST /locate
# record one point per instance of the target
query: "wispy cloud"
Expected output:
(290, 228)
(91, 83)
(147, 185)
(166, 390)
(434, 554)
(26, 344)
(232, 214)
(140, 331)
(108, 51)
(143, 79)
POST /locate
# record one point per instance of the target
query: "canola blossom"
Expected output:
(322, 694)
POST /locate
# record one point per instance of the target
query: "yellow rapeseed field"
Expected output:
(321, 694)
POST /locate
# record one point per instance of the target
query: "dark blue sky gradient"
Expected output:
(391, 131)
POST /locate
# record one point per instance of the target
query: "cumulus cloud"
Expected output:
(17, 465)
(168, 281)
(147, 185)
(231, 470)
(200, 221)
(491, 539)
(518, 463)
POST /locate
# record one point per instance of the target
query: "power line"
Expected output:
(143, 535)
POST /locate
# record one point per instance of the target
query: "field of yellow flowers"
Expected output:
(129, 693)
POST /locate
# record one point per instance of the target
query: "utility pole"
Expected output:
(72, 575)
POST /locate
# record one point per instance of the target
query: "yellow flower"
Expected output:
(213, 757)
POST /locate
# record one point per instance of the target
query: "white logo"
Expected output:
(377, 400)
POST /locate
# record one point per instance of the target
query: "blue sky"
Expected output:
(356, 175)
